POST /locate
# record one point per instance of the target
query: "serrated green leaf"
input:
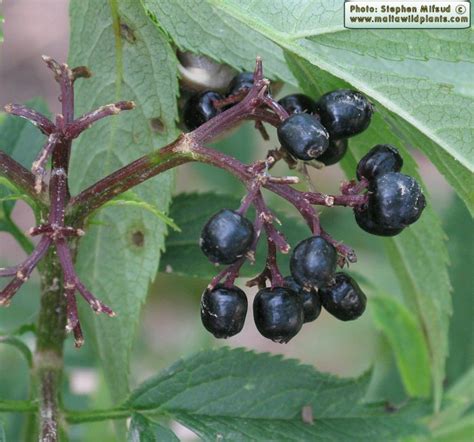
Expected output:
(143, 429)
(239, 395)
(319, 82)
(133, 200)
(460, 178)
(428, 87)
(405, 336)
(118, 258)
(227, 40)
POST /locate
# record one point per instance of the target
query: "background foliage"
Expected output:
(419, 81)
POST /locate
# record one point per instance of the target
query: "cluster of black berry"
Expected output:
(395, 200)
(319, 130)
(280, 311)
(308, 131)
(202, 107)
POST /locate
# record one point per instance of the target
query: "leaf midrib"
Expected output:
(329, 388)
(282, 40)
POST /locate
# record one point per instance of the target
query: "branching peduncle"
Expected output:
(65, 215)
(58, 279)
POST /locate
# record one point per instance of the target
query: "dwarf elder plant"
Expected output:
(151, 86)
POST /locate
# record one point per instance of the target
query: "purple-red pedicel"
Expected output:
(66, 214)
(55, 232)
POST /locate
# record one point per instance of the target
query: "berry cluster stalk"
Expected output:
(66, 216)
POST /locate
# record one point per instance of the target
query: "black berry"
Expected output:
(240, 82)
(309, 298)
(200, 108)
(381, 159)
(395, 200)
(298, 103)
(313, 262)
(278, 313)
(223, 311)
(303, 136)
(365, 221)
(226, 237)
(334, 153)
(343, 298)
(344, 113)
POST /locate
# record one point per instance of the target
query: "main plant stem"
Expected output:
(51, 332)
(48, 358)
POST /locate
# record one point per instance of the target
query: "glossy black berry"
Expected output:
(396, 200)
(381, 159)
(313, 262)
(303, 136)
(226, 237)
(309, 298)
(334, 153)
(200, 108)
(298, 103)
(365, 221)
(223, 311)
(240, 82)
(343, 298)
(344, 113)
(278, 313)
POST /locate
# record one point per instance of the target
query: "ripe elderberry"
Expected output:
(278, 313)
(303, 136)
(200, 108)
(395, 200)
(298, 103)
(313, 262)
(343, 298)
(226, 237)
(381, 159)
(223, 310)
(366, 222)
(344, 113)
(309, 298)
(334, 153)
(240, 82)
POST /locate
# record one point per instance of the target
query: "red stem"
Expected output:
(38, 167)
(74, 128)
(21, 177)
(23, 272)
(43, 123)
